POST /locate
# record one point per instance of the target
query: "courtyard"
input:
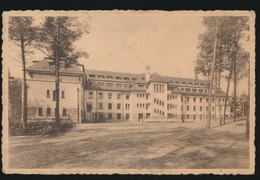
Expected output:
(135, 146)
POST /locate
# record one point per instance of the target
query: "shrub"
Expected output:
(40, 128)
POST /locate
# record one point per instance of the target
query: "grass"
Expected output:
(135, 146)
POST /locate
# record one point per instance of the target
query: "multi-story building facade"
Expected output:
(91, 95)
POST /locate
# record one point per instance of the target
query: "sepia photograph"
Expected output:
(128, 92)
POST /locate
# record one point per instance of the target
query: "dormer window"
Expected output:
(117, 77)
(134, 79)
(91, 75)
(101, 76)
(109, 77)
(126, 78)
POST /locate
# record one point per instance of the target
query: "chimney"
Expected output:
(147, 73)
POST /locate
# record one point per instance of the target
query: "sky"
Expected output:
(124, 41)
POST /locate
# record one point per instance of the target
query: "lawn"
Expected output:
(135, 146)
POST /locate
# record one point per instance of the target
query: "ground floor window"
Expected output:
(118, 116)
(48, 111)
(64, 112)
(148, 115)
(127, 116)
(109, 115)
(39, 111)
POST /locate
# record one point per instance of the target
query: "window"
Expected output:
(48, 111)
(194, 117)
(39, 111)
(109, 95)
(154, 110)
(213, 100)
(54, 95)
(181, 108)
(181, 99)
(188, 108)
(162, 88)
(194, 108)
(64, 112)
(188, 116)
(109, 115)
(200, 108)
(63, 94)
(118, 116)
(154, 100)
(118, 95)
(127, 96)
(148, 115)
(207, 99)
(100, 95)
(118, 106)
(194, 99)
(206, 108)
(127, 106)
(127, 116)
(213, 108)
(147, 96)
(154, 88)
(109, 105)
(48, 93)
(162, 103)
(188, 99)
(200, 100)
(89, 107)
(90, 94)
(100, 105)
(137, 105)
(200, 117)
(157, 101)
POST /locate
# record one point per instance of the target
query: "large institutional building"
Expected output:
(92, 95)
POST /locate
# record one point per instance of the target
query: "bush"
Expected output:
(40, 128)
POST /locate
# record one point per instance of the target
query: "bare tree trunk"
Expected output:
(212, 77)
(25, 85)
(219, 78)
(229, 79)
(57, 83)
(215, 97)
(235, 90)
(248, 104)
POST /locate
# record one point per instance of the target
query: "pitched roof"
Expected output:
(43, 66)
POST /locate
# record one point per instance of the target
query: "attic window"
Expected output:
(183, 82)
(177, 82)
(117, 77)
(126, 78)
(190, 83)
(109, 77)
(91, 75)
(134, 79)
(101, 76)
(196, 84)
(202, 84)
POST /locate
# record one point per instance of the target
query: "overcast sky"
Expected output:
(127, 42)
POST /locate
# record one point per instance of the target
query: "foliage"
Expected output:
(42, 128)
(15, 99)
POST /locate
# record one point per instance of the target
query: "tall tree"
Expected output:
(55, 38)
(22, 33)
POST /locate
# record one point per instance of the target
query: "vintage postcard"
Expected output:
(128, 92)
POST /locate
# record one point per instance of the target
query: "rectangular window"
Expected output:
(162, 88)
(100, 95)
(181, 99)
(200, 100)
(48, 93)
(207, 99)
(194, 99)
(109, 95)
(118, 116)
(118, 106)
(64, 112)
(54, 95)
(118, 95)
(89, 107)
(127, 116)
(194, 117)
(62, 94)
(127, 96)
(109, 115)
(154, 88)
(100, 105)
(181, 108)
(154, 100)
(109, 105)
(188, 108)
(194, 108)
(162, 103)
(90, 95)
(188, 116)
(213, 108)
(188, 99)
(157, 88)
(213, 100)
(48, 111)
(207, 108)
(39, 111)
(200, 108)
(200, 117)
